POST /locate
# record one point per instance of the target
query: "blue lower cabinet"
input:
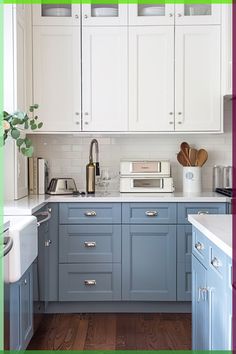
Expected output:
(149, 262)
(200, 307)
(229, 295)
(90, 282)
(21, 311)
(184, 254)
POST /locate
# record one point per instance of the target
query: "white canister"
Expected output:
(192, 180)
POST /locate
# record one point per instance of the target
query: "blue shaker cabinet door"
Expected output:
(184, 272)
(200, 307)
(149, 262)
(21, 311)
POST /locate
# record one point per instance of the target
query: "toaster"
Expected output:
(60, 186)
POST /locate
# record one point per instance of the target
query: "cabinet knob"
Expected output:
(77, 113)
(171, 122)
(78, 123)
(86, 123)
(216, 263)
(179, 122)
(47, 243)
(86, 113)
(170, 14)
(85, 16)
(179, 113)
(76, 16)
(179, 14)
(199, 246)
(49, 210)
(25, 281)
(90, 282)
(171, 113)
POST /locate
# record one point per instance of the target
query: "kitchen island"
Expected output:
(211, 282)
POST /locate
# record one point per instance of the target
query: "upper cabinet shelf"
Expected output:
(104, 15)
(56, 14)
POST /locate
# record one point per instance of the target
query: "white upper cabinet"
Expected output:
(197, 14)
(104, 81)
(56, 14)
(154, 14)
(198, 97)
(57, 79)
(104, 15)
(151, 78)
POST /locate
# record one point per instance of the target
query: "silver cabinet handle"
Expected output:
(47, 243)
(216, 263)
(171, 113)
(77, 113)
(202, 212)
(85, 16)
(151, 213)
(76, 16)
(89, 244)
(199, 246)
(170, 14)
(47, 215)
(202, 294)
(90, 213)
(179, 15)
(171, 122)
(179, 113)
(179, 122)
(25, 281)
(90, 282)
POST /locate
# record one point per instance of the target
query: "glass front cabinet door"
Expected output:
(197, 14)
(104, 14)
(56, 14)
(153, 14)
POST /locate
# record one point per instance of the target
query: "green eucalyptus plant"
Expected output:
(11, 127)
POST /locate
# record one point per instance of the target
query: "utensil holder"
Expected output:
(192, 180)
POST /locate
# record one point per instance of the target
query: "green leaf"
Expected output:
(26, 126)
(15, 133)
(27, 151)
(28, 142)
(16, 121)
(40, 125)
(34, 126)
(32, 121)
(19, 142)
(31, 109)
(36, 106)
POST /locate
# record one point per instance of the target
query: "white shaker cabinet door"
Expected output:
(198, 78)
(56, 62)
(104, 81)
(151, 78)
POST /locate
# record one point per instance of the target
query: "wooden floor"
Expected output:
(113, 332)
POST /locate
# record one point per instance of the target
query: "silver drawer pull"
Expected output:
(151, 213)
(89, 244)
(202, 212)
(199, 246)
(90, 213)
(216, 263)
(90, 282)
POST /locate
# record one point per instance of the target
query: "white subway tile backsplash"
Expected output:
(68, 154)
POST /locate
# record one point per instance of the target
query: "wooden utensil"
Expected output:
(185, 150)
(181, 158)
(192, 156)
(202, 157)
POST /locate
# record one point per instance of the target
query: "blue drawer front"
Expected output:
(184, 209)
(90, 213)
(104, 279)
(149, 213)
(89, 243)
(200, 247)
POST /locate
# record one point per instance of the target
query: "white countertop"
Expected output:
(217, 228)
(30, 204)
